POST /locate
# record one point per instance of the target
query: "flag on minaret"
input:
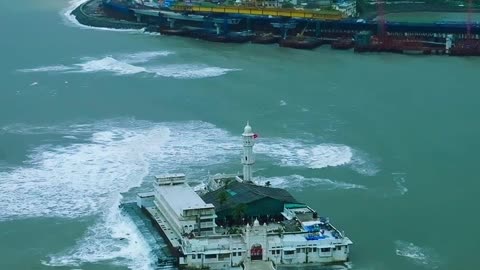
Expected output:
(255, 135)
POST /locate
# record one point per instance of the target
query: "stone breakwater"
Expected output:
(92, 14)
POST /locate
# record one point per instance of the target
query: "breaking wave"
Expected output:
(190, 71)
(299, 182)
(110, 64)
(114, 239)
(422, 256)
(143, 57)
(47, 69)
(129, 64)
(297, 154)
(84, 174)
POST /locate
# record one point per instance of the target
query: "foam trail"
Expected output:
(297, 154)
(82, 180)
(422, 256)
(128, 64)
(188, 71)
(47, 69)
(110, 64)
(299, 182)
(143, 57)
(106, 241)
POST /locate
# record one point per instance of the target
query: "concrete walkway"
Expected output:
(259, 265)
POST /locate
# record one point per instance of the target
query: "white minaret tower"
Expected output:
(248, 159)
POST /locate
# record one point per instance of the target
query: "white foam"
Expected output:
(399, 179)
(114, 239)
(297, 154)
(110, 64)
(82, 180)
(363, 163)
(423, 256)
(78, 179)
(143, 57)
(187, 71)
(47, 69)
(129, 64)
(34, 83)
(283, 103)
(299, 182)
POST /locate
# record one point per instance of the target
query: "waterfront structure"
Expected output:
(347, 7)
(233, 222)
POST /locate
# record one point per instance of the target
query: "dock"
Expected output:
(293, 28)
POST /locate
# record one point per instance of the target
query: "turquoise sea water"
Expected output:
(428, 17)
(383, 144)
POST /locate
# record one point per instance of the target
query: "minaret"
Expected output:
(248, 159)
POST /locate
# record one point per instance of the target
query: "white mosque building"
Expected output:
(237, 224)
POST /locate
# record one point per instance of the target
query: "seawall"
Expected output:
(90, 14)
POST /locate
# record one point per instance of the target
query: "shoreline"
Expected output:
(87, 14)
(427, 39)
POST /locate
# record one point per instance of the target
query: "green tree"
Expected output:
(239, 212)
(287, 5)
(222, 197)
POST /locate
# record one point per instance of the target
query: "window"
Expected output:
(273, 252)
(325, 249)
(314, 249)
(289, 252)
(278, 251)
(210, 256)
(193, 256)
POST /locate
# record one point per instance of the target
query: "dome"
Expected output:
(247, 129)
(256, 223)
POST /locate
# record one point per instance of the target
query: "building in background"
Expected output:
(347, 7)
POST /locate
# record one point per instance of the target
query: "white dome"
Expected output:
(247, 129)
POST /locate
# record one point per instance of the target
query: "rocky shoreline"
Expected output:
(91, 13)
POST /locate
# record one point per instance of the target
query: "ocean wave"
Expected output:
(422, 256)
(47, 69)
(114, 239)
(297, 154)
(188, 71)
(129, 64)
(143, 57)
(299, 182)
(110, 64)
(84, 174)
